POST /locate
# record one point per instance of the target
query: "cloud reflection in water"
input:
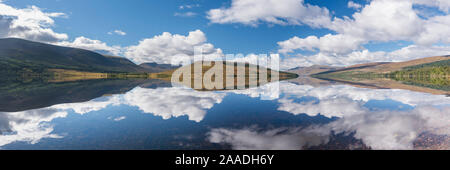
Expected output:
(381, 128)
(378, 129)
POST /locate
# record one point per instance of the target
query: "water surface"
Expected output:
(150, 114)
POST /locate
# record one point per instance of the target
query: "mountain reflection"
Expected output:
(281, 115)
(19, 96)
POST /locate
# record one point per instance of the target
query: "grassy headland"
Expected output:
(431, 72)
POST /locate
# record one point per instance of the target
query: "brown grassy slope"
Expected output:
(61, 75)
(392, 66)
(247, 76)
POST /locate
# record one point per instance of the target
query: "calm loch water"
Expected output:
(150, 114)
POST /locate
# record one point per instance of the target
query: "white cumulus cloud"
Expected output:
(354, 5)
(364, 56)
(167, 47)
(380, 21)
(29, 23)
(283, 12)
(339, 43)
(93, 45)
(443, 5)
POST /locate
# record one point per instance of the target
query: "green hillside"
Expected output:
(17, 55)
(432, 75)
(438, 68)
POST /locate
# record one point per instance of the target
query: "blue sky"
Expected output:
(249, 27)
(147, 18)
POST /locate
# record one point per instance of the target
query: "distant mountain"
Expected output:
(126, 63)
(156, 68)
(18, 54)
(306, 71)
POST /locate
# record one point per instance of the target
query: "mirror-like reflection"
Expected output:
(151, 114)
(19, 96)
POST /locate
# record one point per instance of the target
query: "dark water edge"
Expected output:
(25, 94)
